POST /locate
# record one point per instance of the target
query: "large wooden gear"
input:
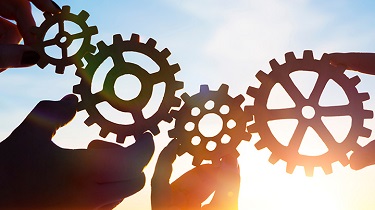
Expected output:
(134, 106)
(337, 151)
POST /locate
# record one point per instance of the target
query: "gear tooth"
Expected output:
(340, 69)
(247, 136)
(154, 130)
(175, 68)
(174, 113)
(368, 114)
(260, 145)
(151, 43)
(168, 118)
(308, 55)
(238, 100)
(135, 38)
(47, 15)
(261, 76)
(165, 53)
(42, 63)
(252, 91)
(253, 129)
(290, 57)
(120, 138)
(273, 159)
(81, 107)
(355, 80)
(224, 88)
(364, 96)
(117, 39)
(175, 102)
(78, 63)
(65, 9)
(60, 69)
(180, 151)
(197, 161)
(101, 45)
(204, 89)
(89, 57)
(172, 133)
(103, 133)
(93, 30)
(290, 168)
(325, 58)
(344, 160)
(91, 48)
(309, 171)
(77, 89)
(89, 121)
(327, 169)
(179, 85)
(185, 97)
(365, 132)
(83, 15)
(274, 64)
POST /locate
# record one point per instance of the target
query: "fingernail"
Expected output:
(71, 99)
(57, 6)
(30, 58)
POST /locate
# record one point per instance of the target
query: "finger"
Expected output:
(47, 6)
(161, 192)
(363, 157)
(9, 33)
(109, 194)
(46, 118)
(205, 180)
(228, 186)
(25, 21)
(362, 62)
(119, 163)
(99, 144)
(17, 56)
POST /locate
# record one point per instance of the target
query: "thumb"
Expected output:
(46, 118)
(13, 55)
(363, 157)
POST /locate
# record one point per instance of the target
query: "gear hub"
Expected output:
(280, 74)
(63, 39)
(133, 106)
(195, 109)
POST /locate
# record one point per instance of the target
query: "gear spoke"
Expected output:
(61, 25)
(291, 89)
(324, 134)
(278, 114)
(78, 35)
(296, 140)
(335, 111)
(318, 89)
(49, 42)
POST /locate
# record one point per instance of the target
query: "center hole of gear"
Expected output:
(127, 87)
(210, 125)
(308, 112)
(63, 39)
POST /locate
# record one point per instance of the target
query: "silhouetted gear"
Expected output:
(133, 106)
(64, 39)
(191, 113)
(337, 151)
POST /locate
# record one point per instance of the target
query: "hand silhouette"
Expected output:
(12, 54)
(194, 187)
(37, 174)
(364, 63)
(357, 61)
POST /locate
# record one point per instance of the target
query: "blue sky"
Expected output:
(218, 42)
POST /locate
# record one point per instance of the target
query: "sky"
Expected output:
(223, 42)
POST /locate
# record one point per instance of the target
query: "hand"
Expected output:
(12, 54)
(194, 187)
(363, 157)
(361, 62)
(37, 174)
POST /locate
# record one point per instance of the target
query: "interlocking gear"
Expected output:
(134, 106)
(195, 109)
(337, 151)
(64, 39)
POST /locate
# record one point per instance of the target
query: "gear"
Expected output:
(133, 106)
(64, 39)
(337, 151)
(195, 109)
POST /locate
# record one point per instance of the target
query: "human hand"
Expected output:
(361, 62)
(37, 174)
(194, 187)
(12, 54)
(363, 157)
